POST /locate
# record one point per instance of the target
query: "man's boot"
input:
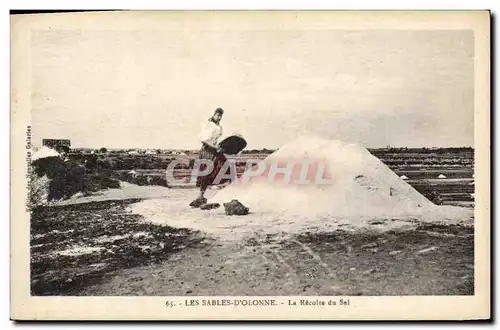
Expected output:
(198, 202)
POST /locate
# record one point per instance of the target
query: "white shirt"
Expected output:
(210, 133)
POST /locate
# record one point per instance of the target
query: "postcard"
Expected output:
(250, 165)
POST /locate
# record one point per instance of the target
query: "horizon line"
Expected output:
(262, 148)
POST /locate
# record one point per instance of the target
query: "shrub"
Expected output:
(158, 181)
(69, 178)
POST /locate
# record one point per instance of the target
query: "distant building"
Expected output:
(54, 143)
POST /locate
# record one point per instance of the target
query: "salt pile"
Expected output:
(44, 152)
(365, 194)
(361, 185)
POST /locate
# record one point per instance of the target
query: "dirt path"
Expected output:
(74, 246)
(428, 261)
(99, 248)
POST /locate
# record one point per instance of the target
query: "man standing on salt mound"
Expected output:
(212, 152)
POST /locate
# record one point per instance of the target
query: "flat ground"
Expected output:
(100, 247)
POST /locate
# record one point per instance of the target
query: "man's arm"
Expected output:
(206, 137)
(216, 148)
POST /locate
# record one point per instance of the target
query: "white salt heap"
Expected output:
(44, 152)
(361, 185)
(365, 193)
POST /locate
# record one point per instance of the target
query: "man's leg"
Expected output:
(203, 188)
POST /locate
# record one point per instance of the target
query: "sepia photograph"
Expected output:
(254, 162)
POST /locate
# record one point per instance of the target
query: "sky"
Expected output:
(154, 89)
